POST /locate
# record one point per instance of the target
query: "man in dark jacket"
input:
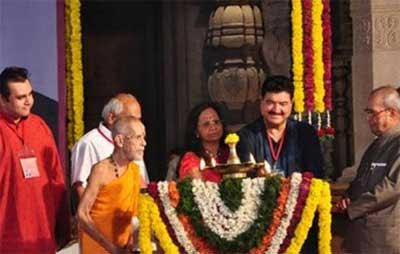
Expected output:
(287, 145)
(372, 201)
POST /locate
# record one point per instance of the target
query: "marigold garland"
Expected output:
(301, 201)
(145, 225)
(327, 53)
(297, 55)
(280, 234)
(74, 76)
(154, 193)
(150, 220)
(312, 194)
(318, 66)
(312, 46)
(325, 220)
(307, 217)
(308, 52)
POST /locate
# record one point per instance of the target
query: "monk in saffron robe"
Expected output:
(33, 204)
(111, 197)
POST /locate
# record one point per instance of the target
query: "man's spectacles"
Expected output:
(209, 123)
(370, 113)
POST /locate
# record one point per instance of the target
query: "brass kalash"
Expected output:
(234, 168)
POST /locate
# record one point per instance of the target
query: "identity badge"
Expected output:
(29, 163)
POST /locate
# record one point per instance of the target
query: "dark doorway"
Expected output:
(122, 53)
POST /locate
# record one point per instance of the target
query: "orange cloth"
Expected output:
(115, 205)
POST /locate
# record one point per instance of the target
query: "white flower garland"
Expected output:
(173, 219)
(218, 217)
(281, 232)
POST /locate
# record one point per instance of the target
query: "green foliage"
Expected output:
(231, 192)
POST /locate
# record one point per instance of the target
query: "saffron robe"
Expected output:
(301, 150)
(34, 211)
(115, 205)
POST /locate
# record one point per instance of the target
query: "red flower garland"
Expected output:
(308, 53)
(301, 202)
(327, 53)
(153, 191)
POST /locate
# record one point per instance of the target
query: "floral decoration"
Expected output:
(74, 76)
(273, 215)
(231, 138)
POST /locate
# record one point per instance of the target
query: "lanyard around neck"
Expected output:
(104, 136)
(275, 153)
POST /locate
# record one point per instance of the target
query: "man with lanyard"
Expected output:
(97, 144)
(33, 199)
(287, 145)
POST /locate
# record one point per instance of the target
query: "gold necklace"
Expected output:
(115, 166)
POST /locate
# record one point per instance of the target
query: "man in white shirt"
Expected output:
(97, 144)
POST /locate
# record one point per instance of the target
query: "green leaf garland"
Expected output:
(231, 192)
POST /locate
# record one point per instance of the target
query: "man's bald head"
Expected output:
(388, 96)
(123, 104)
(129, 135)
(383, 110)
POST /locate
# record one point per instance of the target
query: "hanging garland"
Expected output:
(297, 56)
(308, 52)
(318, 65)
(74, 76)
(281, 232)
(327, 53)
(311, 19)
(150, 221)
(286, 207)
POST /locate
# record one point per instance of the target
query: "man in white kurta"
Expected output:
(97, 144)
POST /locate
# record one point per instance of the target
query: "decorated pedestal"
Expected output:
(271, 214)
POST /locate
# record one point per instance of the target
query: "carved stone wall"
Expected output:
(276, 46)
(376, 57)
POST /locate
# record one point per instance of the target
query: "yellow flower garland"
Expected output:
(318, 67)
(325, 220)
(149, 217)
(74, 76)
(145, 225)
(307, 217)
(297, 55)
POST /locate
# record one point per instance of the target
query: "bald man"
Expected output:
(372, 202)
(97, 144)
(111, 197)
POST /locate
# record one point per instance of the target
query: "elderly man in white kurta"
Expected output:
(97, 144)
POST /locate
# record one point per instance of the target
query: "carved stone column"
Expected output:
(233, 62)
(376, 58)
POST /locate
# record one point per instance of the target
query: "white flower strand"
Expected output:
(173, 219)
(218, 217)
(281, 232)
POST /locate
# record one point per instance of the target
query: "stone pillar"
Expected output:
(376, 58)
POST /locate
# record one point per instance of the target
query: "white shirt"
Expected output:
(94, 146)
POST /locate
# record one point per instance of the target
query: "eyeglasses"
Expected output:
(209, 123)
(370, 113)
